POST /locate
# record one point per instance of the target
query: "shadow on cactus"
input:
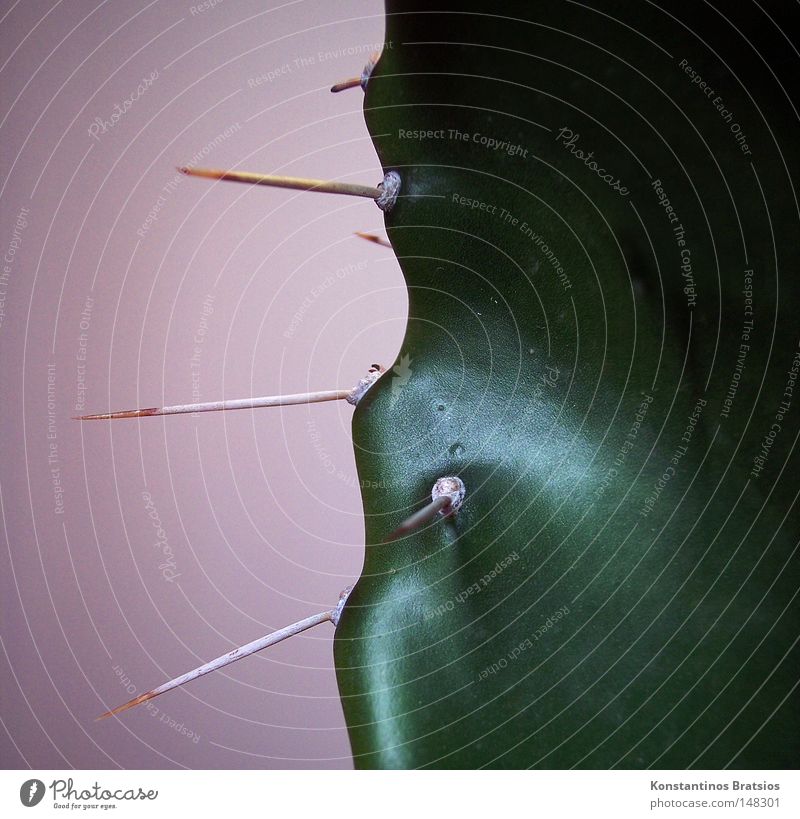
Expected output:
(580, 474)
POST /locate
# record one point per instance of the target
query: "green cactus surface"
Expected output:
(598, 227)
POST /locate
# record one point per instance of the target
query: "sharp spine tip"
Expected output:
(112, 416)
(125, 706)
(371, 237)
(353, 82)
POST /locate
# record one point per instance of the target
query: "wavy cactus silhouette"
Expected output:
(595, 214)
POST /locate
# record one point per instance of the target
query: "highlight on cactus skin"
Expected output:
(584, 553)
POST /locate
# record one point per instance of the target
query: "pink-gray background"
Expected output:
(260, 510)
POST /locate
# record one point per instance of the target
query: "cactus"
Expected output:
(577, 477)
(575, 225)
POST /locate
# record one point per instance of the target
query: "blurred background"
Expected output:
(135, 550)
